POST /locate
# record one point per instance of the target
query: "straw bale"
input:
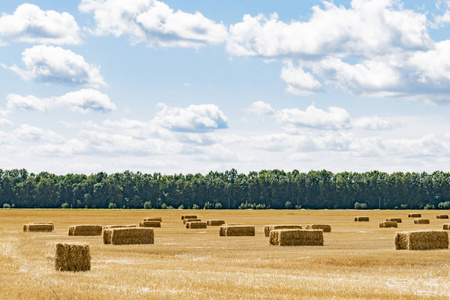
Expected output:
(85, 230)
(191, 220)
(421, 221)
(239, 230)
(388, 224)
(38, 227)
(107, 234)
(150, 224)
(442, 217)
(269, 228)
(421, 240)
(325, 228)
(446, 226)
(128, 236)
(296, 237)
(69, 256)
(188, 217)
(223, 228)
(414, 215)
(196, 225)
(215, 222)
(153, 219)
(398, 220)
(361, 219)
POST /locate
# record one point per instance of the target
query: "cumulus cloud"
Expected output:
(194, 118)
(34, 134)
(154, 23)
(51, 64)
(373, 123)
(299, 82)
(30, 24)
(260, 108)
(83, 101)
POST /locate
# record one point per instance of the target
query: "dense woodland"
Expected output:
(260, 190)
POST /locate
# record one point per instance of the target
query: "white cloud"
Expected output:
(51, 64)
(34, 134)
(30, 24)
(260, 108)
(83, 101)
(194, 118)
(367, 28)
(154, 23)
(373, 123)
(334, 119)
(299, 82)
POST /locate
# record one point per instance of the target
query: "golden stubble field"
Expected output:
(357, 261)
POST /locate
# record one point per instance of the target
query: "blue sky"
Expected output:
(193, 86)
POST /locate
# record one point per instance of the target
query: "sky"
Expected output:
(182, 86)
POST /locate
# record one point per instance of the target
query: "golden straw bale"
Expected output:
(414, 215)
(128, 236)
(296, 237)
(442, 217)
(215, 222)
(150, 224)
(38, 227)
(421, 221)
(388, 224)
(421, 240)
(239, 230)
(191, 220)
(85, 230)
(223, 228)
(69, 256)
(188, 217)
(446, 226)
(269, 228)
(325, 228)
(107, 234)
(196, 225)
(153, 219)
(361, 219)
(398, 220)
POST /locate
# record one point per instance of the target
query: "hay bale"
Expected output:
(196, 225)
(442, 217)
(388, 224)
(188, 217)
(325, 228)
(398, 220)
(107, 234)
(69, 256)
(269, 228)
(38, 227)
(128, 236)
(414, 215)
(239, 230)
(215, 222)
(361, 219)
(421, 221)
(150, 224)
(421, 240)
(223, 228)
(296, 237)
(191, 220)
(85, 230)
(446, 226)
(153, 219)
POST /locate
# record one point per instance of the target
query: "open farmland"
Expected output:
(357, 260)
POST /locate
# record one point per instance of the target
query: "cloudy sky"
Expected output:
(192, 86)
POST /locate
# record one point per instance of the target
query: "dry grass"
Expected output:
(357, 261)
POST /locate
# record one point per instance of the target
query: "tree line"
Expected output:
(275, 189)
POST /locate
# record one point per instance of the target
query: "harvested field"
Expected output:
(357, 260)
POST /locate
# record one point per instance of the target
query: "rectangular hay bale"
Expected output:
(188, 217)
(153, 219)
(38, 227)
(398, 220)
(388, 224)
(442, 217)
(421, 240)
(150, 224)
(85, 230)
(215, 222)
(323, 227)
(128, 236)
(69, 256)
(296, 237)
(361, 219)
(414, 215)
(239, 230)
(196, 225)
(446, 226)
(191, 220)
(421, 221)
(107, 234)
(269, 228)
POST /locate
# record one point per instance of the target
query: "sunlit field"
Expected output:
(357, 261)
